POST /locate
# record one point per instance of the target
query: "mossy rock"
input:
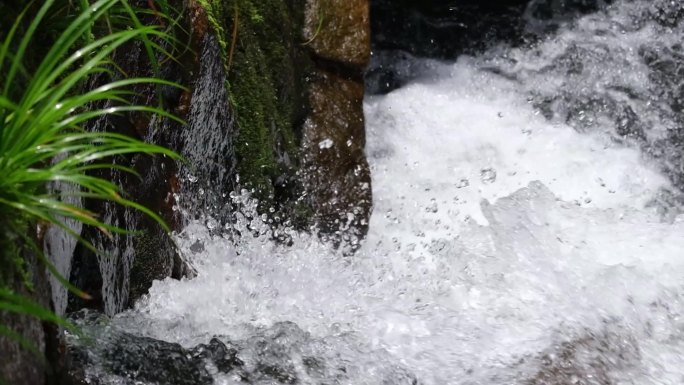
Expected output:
(267, 68)
(155, 254)
(295, 78)
(25, 276)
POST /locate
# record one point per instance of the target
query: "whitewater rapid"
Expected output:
(505, 246)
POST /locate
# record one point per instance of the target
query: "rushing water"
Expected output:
(523, 231)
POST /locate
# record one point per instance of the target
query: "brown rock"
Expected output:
(336, 169)
(339, 30)
(336, 172)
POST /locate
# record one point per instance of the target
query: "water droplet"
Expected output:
(488, 175)
(432, 207)
(463, 183)
(325, 144)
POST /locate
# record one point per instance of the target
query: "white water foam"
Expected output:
(503, 249)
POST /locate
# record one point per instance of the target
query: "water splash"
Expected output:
(559, 269)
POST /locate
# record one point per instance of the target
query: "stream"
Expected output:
(525, 230)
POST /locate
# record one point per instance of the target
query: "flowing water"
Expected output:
(524, 230)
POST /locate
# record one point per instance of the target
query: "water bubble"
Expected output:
(432, 207)
(325, 144)
(212, 224)
(488, 175)
(463, 183)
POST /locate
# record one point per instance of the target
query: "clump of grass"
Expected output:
(45, 108)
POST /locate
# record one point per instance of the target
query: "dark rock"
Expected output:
(337, 173)
(103, 351)
(282, 354)
(587, 360)
(151, 261)
(208, 140)
(225, 358)
(146, 359)
(128, 263)
(446, 29)
(18, 365)
(335, 167)
(339, 31)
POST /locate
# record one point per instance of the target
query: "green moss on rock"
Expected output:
(154, 259)
(267, 70)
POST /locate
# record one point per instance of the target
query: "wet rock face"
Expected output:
(591, 359)
(338, 31)
(445, 29)
(337, 173)
(147, 359)
(133, 261)
(285, 59)
(335, 168)
(19, 366)
(281, 89)
(448, 28)
(280, 354)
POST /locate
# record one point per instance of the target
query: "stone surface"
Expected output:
(587, 360)
(267, 81)
(339, 31)
(19, 366)
(446, 29)
(130, 262)
(336, 170)
(280, 354)
(283, 60)
(146, 359)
